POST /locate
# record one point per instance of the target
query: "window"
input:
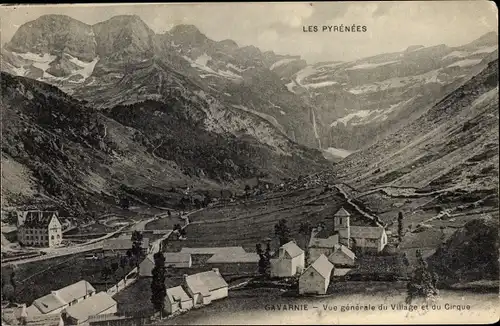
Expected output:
(52, 237)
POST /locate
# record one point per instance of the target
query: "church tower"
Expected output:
(341, 224)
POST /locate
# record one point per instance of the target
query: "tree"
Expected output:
(137, 238)
(400, 226)
(124, 203)
(282, 231)
(265, 257)
(182, 233)
(158, 288)
(422, 283)
(105, 275)
(123, 264)
(305, 229)
(114, 266)
(169, 213)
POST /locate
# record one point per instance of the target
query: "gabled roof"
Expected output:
(91, 306)
(177, 294)
(322, 266)
(367, 232)
(247, 257)
(62, 297)
(342, 213)
(37, 219)
(48, 303)
(292, 249)
(176, 257)
(343, 249)
(75, 291)
(213, 250)
(205, 282)
(328, 242)
(123, 244)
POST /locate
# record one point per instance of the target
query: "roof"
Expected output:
(367, 232)
(212, 250)
(62, 297)
(48, 303)
(205, 281)
(177, 294)
(176, 257)
(342, 213)
(292, 249)
(327, 242)
(322, 266)
(123, 244)
(341, 271)
(37, 219)
(343, 249)
(91, 306)
(75, 291)
(234, 257)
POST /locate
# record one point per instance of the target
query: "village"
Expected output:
(332, 251)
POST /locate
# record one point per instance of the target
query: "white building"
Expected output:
(99, 304)
(39, 228)
(290, 261)
(172, 260)
(60, 299)
(361, 237)
(342, 257)
(177, 299)
(316, 277)
(372, 238)
(205, 287)
(322, 242)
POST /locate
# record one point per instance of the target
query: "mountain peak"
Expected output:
(185, 29)
(490, 38)
(54, 34)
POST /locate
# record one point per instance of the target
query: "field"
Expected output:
(37, 279)
(248, 223)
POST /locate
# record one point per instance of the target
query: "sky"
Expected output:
(390, 26)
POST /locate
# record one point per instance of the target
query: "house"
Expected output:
(205, 287)
(172, 259)
(60, 299)
(19, 316)
(120, 246)
(177, 299)
(213, 250)
(362, 237)
(100, 303)
(234, 258)
(316, 277)
(373, 238)
(322, 242)
(290, 261)
(39, 228)
(342, 257)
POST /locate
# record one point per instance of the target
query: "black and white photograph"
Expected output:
(249, 163)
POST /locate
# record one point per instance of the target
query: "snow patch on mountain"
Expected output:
(372, 65)
(39, 61)
(86, 67)
(397, 82)
(465, 63)
(456, 54)
(368, 116)
(336, 152)
(280, 63)
(321, 84)
(486, 49)
(304, 73)
(203, 59)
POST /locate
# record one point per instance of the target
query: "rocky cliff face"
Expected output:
(123, 45)
(335, 105)
(452, 145)
(62, 151)
(362, 101)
